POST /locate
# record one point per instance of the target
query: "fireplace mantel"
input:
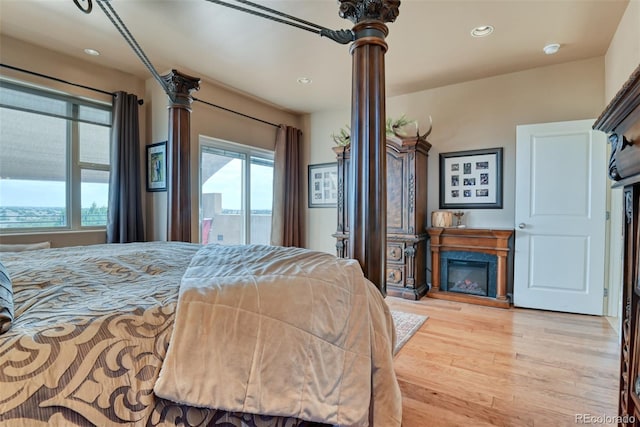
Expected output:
(498, 242)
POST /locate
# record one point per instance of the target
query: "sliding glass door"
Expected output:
(236, 193)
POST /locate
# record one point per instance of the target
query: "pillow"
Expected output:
(24, 247)
(6, 300)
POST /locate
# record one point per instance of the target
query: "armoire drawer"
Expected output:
(395, 252)
(395, 274)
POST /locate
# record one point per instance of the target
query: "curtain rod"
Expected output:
(140, 101)
(33, 73)
(236, 112)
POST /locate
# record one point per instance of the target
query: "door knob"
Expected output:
(521, 225)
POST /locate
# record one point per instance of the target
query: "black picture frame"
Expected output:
(471, 179)
(323, 185)
(157, 166)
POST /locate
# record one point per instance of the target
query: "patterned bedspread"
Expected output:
(91, 330)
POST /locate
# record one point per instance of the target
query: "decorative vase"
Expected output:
(441, 219)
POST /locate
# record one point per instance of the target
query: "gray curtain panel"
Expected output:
(6, 300)
(124, 219)
(286, 220)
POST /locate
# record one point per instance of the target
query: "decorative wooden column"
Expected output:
(367, 176)
(179, 87)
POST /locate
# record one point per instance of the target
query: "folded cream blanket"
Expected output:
(282, 331)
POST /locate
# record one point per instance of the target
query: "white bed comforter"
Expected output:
(282, 331)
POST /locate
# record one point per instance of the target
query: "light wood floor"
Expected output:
(470, 365)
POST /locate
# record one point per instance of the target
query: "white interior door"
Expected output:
(560, 217)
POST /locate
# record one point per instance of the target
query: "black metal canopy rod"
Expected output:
(126, 34)
(87, 6)
(339, 36)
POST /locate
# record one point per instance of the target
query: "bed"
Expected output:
(157, 333)
(270, 336)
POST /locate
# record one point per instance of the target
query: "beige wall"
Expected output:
(214, 123)
(157, 126)
(321, 222)
(472, 115)
(623, 55)
(23, 55)
(469, 115)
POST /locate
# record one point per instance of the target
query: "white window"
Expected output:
(236, 193)
(54, 160)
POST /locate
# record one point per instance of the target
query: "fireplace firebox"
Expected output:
(468, 277)
(468, 273)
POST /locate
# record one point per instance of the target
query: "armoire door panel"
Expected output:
(396, 193)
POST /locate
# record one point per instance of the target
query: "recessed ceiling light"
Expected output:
(91, 52)
(552, 48)
(304, 80)
(482, 31)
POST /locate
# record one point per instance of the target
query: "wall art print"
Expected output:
(471, 179)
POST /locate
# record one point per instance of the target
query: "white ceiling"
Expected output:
(429, 44)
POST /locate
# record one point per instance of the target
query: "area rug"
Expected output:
(406, 325)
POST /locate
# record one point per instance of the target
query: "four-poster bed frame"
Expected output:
(367, 210)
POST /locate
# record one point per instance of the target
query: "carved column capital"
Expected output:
(364, 10)
(179, 87)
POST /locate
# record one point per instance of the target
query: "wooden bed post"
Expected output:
(367, 175)
(179, 88)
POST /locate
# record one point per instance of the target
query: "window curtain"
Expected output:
(124, 215)
(286, 219)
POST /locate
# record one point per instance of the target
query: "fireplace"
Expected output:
(473, 265)
(470, 273)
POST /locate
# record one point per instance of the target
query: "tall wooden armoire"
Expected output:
(621, 120)
(406, 274)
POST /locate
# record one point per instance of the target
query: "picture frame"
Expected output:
(323, 185)
(157, 166)
(471, 179)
